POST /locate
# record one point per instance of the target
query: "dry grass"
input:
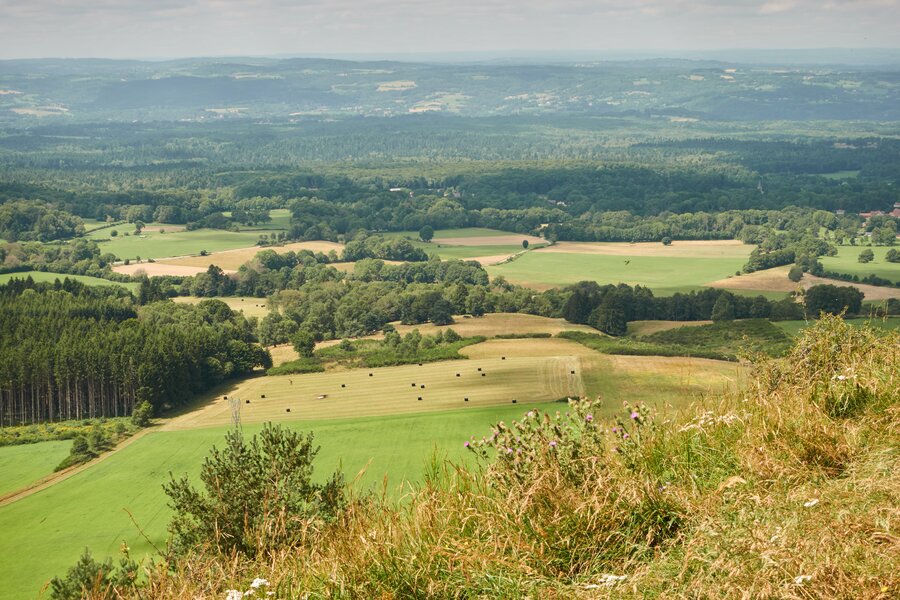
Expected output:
(156, 269)
(389, 390)
(776, 280)
(233, 259)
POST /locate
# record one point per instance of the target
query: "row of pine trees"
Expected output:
(73, 352)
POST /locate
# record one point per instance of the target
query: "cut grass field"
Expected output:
(43, 276)
(541, 373)
(665, 275)
(776, 280)
(26, 463)
(847, 261)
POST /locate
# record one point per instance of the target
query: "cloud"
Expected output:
(138, 28)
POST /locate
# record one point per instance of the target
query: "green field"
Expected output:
(41, 276)
(47, 531)
(847, 261)
(664, 275)
(462, 232)
(154, 244)
(793, 328)
(23, 464)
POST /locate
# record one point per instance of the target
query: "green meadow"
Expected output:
(793, 328)
(664, 275)
(23, 464)
(154, 244)
(43, 276)
(847, 261)
(45, 532)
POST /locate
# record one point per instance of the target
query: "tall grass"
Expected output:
(788, 489)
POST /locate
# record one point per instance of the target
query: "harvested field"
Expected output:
(233, 259)
(497, 324)
(776, 280)
(157, 269)
(389, 390)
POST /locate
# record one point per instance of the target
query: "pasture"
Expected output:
(44, 276)
(684, 269)
(641, 328)
(154, 244)
(26, 463)
(847, 261)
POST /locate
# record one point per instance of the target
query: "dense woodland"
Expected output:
(109, 355)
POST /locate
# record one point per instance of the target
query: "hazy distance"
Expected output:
(475, 28)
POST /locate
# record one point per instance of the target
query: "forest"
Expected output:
(110, 355)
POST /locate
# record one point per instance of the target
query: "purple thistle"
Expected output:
(589, 418)
(466, 444)
(634, 414)
(509, 450)
(553, 444)
(625, 436)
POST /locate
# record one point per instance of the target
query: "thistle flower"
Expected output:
(634, 414)
(466, 444)
(589, 418)
(553, 444)
(625, 436)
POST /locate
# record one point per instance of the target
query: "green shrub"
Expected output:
(255, 495)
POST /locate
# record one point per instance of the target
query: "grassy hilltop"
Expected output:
(786, 489)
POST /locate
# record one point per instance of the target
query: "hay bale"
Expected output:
(246, 402)
(514, 401)
(287, 410)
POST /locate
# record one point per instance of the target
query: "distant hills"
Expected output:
(677, 88)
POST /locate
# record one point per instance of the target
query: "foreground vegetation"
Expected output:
(568, 504)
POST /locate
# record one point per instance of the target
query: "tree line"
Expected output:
(108, 355)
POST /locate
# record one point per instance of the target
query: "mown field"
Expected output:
(497, 372)
(41, 276)
(21, 465)
(847, 261)
(633, 264)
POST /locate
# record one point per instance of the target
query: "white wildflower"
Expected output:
(233, 595)
(609, 580)
(811, 503)
(259, 581)
(801, 579)
(841, 377)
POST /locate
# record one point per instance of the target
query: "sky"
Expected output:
(182, 28)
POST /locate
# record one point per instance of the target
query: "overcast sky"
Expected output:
(173, 28)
